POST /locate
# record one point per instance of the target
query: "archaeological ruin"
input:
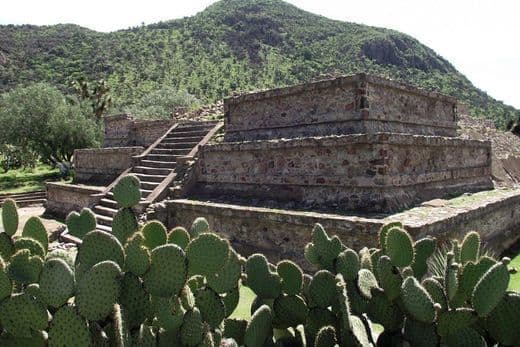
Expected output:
(351, 153)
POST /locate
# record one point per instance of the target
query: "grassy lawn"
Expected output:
(27, 180)
(514, 284)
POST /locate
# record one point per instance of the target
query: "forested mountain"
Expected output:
(233, 45)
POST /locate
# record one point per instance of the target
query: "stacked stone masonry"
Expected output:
(102, 165)
(357, 104)
(123, 130)
(355, 143)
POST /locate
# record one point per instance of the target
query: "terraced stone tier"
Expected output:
(282, 234)
(355, 104)
(371, 172)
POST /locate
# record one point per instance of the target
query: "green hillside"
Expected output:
(233, 45)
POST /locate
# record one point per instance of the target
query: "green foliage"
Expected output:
(231, 46)
(171, 296)
(160, 103)
(52, 127)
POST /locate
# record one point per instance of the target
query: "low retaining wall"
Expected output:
(283, 234)
(366, 172)
(123, 130)
(63, 198)
(345, 105)
(102, 165)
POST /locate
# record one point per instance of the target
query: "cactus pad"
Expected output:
(32, 245)
(417, 301)
(22, 313)
(168, 271)
(424, 249)
(292, 277)
(384, 231)
(465, 338)
(326, 248)
(179, 236)
(207, 254)
(389, 278)
(260, 279)
(399, 247)
(367, 282)
(67, 328)
(10, 216)
(98, 246)
(98, 290)
(259, 327)
(211, 307)
(384, 312)
(235, 329)
(35, 229)
(67, 255)
(25, 268)
(6, 246)
(126, 191)
(199, 226)
(137, 258)
(154, 234)
(322, 288)
(326, 337)
(490, 289)
(6, 287)
(502, 322)
(452, 321)
(227, 277)
(291, 310)
(124, 224)
(79, 224)
(169, 313)
(347, 264)
(56, 283)
(134, 300)
(470, 248)
(192, 328)
(231, 300)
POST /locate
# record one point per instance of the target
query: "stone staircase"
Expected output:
(155, 167)
(37, 197)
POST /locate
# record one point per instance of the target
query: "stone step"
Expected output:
(162, 157)
(177, 145)
(104, 228)
(182, 151)
(152, 170)
(158, 164)
(190, 127)
(103, 220)
(183, 133)
(38, 193)
(105, 211)
(149, 185)
(175, 138)
(30, 202)
(144, 194)
(108, 203)
(150, 178)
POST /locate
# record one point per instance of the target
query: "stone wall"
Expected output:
(122, 130)
(102, 165)
(63, 198)
(283, 234)
(346, 105)
(369, 172)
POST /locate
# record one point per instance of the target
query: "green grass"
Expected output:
(27, 180)
(514, 284)
(243, 310)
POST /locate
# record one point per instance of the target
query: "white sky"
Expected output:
(481, 38)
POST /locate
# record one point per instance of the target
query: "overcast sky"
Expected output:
(481, 38)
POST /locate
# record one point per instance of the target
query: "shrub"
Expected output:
(141, 288)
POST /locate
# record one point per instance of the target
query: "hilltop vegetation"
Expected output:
(231, 46)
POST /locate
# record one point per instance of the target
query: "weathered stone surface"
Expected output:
(63, 198)
(364, 172)
(122, 130)
(345, 105)
(102, 165)
(283, 234)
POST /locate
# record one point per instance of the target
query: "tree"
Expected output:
(160, 103)
(41, 119)
(97, 93)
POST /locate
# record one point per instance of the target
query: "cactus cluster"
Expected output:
(144, 286)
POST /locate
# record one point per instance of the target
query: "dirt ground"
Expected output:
(25, 213)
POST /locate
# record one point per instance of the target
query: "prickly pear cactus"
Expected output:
(79, 224)
(9, 216)
(126, 191)
(141, 286)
